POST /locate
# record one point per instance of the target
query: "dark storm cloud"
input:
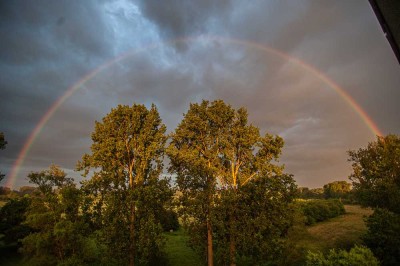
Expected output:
(177, 19)
(47, 46)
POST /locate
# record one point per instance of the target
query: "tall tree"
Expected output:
(376, 173)
(244, 156)
(214, 148)
(376, 181)
(3, 144)
(194, 154)
(126, 156)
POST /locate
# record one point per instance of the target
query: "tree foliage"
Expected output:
(376, 180)
(59, 232)
(194, 153)
(12, 217)
(376, 173)
(124, 194)
(215, 153)
(310, 193)
(321, 210)
(360, 256)
(382, 236)
(337, 190)
(263, 215)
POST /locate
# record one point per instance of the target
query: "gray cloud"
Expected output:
(177, 19)
(48, 46)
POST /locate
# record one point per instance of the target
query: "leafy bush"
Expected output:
(383, 236)
(321, 210)
(360, 256)
(169, 220)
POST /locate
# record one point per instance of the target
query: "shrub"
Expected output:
(321, 210)
(360, 256)
(383, 236)
(169, 220)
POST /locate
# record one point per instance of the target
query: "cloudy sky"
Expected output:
(256, 54)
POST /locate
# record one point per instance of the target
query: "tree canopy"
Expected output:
(125, 192)
(215, 152)
(376, 180)
(376, 173)
(337, 189)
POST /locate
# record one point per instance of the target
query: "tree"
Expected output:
(59, 232)
(194, 154)
(12, 216)
(214, 152)
(376, 173)
(126, 161)
(2, 141)
(382, 236)
(262, 213)
(376, 181)
(3, 144)
(310, 193)
(337, 189)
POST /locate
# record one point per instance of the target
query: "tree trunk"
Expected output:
(132, 236)
(232, 223)
(132, 244)
(210, 259)
(232, 250)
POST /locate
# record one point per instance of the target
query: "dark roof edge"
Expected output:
(386, 29)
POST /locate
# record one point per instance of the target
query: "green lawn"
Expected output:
(178, 253)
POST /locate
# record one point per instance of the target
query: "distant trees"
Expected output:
(310, 193)
(337, 190)
(376, 181)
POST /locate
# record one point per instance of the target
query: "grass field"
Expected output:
(343, 231)
(340, 232)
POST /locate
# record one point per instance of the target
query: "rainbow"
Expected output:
(253, 45)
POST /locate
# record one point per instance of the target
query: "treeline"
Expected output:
(232, 197)
(341, 190)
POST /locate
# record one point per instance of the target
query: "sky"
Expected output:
(288, 62)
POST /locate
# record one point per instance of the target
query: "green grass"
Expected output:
(342, 232)
(178, 253)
